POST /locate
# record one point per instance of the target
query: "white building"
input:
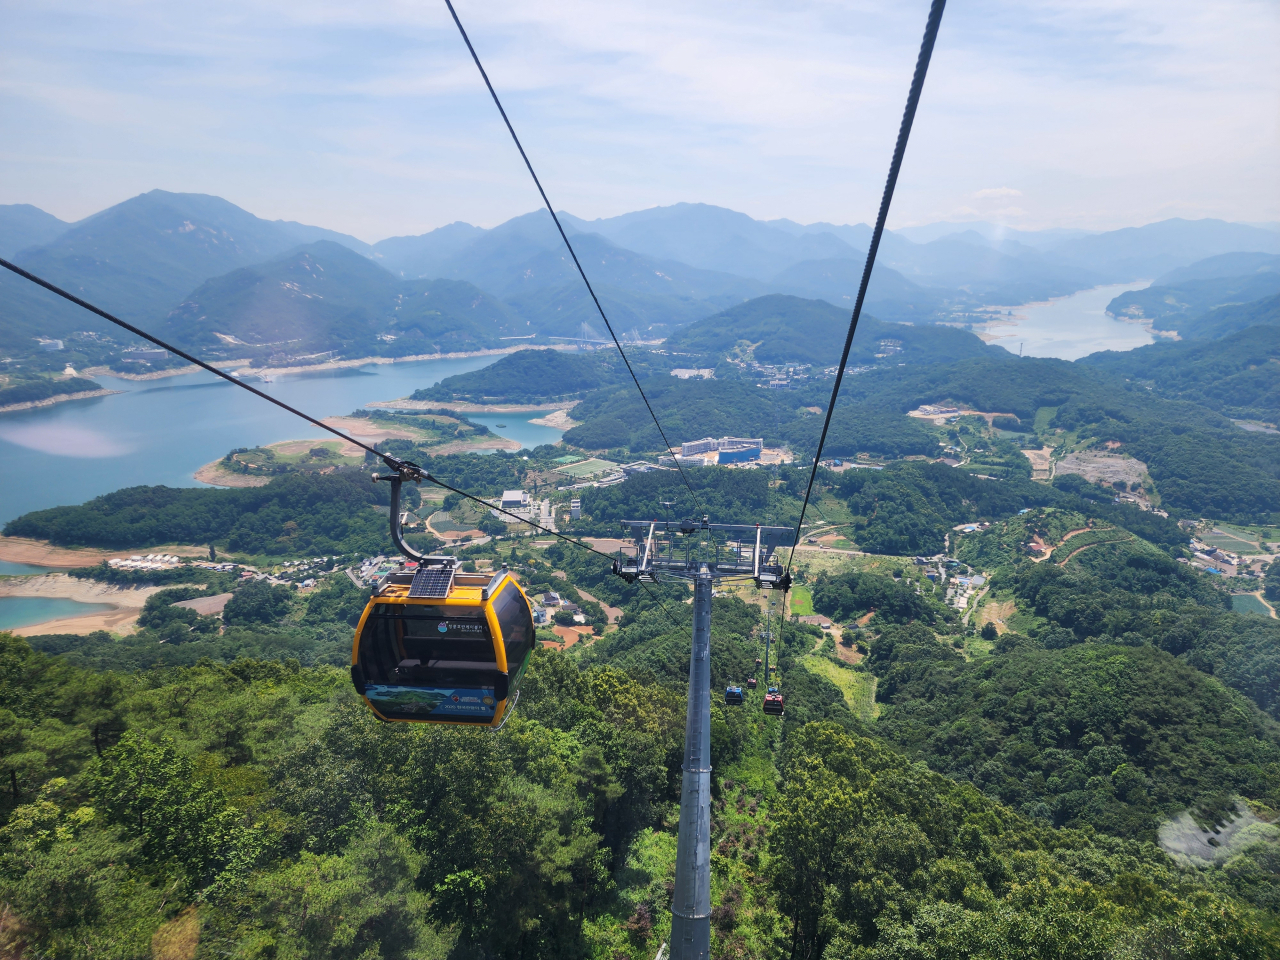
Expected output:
(515, 499)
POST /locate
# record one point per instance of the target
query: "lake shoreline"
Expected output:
(227, 365)
(416, 358)
(126, 603)
(460, 406)
(42, 553)
(58, 398)
(1069, 327)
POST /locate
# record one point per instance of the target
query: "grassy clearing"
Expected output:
(801, 601)
(813, 563)
(859, 688)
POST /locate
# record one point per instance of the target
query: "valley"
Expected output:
(1030, 659)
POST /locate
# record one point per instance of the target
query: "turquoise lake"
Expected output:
(8, 569)
(162, 431)
(25, 611)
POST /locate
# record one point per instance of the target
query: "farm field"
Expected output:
(1247, 540)
(1248, 603)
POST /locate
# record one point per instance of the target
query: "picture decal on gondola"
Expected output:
(421, 702)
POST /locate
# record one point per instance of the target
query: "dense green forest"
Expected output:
(210, 785)
(1114, 737)
(1231, 318)
(529, 376)
(252, 807)
(299, 513)
(1170, 306)
(1237, 376)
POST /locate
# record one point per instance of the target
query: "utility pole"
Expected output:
(703, 553)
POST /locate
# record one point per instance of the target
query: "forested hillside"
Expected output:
(1237, 375)
(1026, 713)
(530, 376)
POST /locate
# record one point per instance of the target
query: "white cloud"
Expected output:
(371, 118)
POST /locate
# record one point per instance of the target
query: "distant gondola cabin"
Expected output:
(773, 703)
(437, 645)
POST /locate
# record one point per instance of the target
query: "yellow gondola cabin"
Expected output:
(438, 645)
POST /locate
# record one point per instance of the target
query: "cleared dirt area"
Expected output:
(367, 430)
(41, 553)
(628, 547)
(1107, 467)
(997, 612)
(848, 654)
(489, 442)
(939, 418)
(446, 529)
(559, 419)
(1041, 463)
(206, 606)
(568, 636)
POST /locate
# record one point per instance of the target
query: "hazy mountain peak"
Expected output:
(23, 226)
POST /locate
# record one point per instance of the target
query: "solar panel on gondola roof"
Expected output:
(431, 582)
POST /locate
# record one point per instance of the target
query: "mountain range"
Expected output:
(213, 274)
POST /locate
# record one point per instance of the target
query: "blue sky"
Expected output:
(369, 117)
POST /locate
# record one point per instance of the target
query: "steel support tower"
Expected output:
(702, 553)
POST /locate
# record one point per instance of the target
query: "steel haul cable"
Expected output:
(565, 237)
(414, 471)
(904, 133)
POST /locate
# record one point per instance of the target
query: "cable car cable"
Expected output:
(395, 463)
(904, 132)
(565, 237)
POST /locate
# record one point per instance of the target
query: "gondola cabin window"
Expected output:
(423, 661)
(516, 624)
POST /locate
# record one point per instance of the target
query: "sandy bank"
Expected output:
(365, 361)
(153, 375)
(489, 442)
(41, 553)
(60, 398)
(126, 602)
(66, 587)
(215, 476)
(559, 419)
(461, 407)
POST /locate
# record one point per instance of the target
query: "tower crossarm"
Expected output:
(687, 548)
